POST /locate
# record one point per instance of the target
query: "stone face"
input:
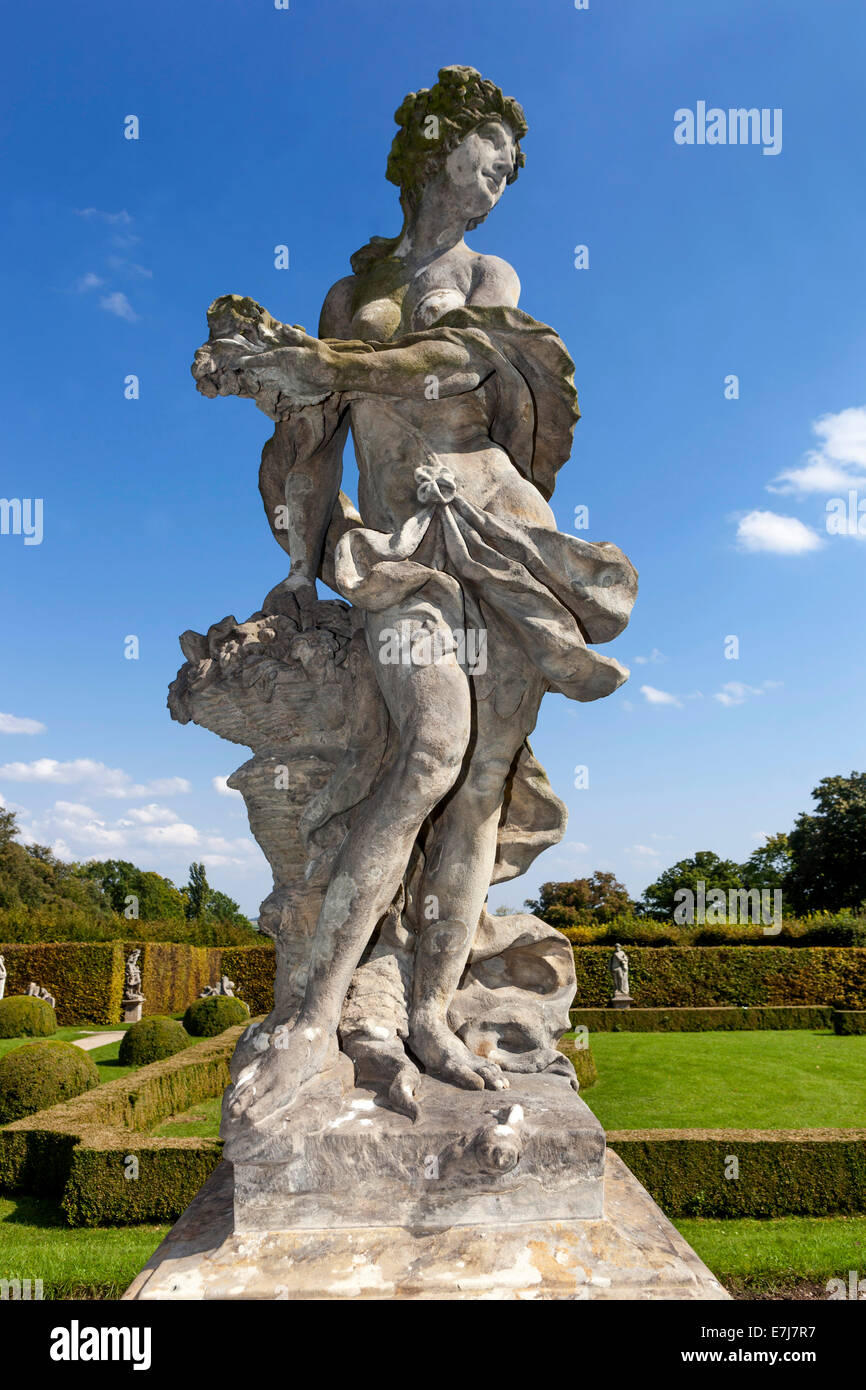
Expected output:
(631, 1253)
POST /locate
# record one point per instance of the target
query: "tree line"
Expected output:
(33, 879)
(819, 866)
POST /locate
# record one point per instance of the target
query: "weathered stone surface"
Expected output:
(534, 1152)
(632, 1252)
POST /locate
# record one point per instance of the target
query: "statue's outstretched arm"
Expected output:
(306, 369)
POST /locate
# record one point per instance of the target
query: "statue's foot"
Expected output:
(272, 1069)
(542, 1059)
(444, 1056)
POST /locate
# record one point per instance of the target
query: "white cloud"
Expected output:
(576, 846)
(14, 724)
(89, 281)
(177, 834)
(74, 808)
(99, 779)
(222, 788)
(121, 218)
(81, 833)
(118, 304)
(838, 463)
(659, 697)
(149, 815)
(737, 692)
(642, 851)
(781, 535)
(654, 657)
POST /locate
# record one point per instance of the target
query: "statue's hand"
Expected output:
(303, 371)
(217, 370)
(300, 589)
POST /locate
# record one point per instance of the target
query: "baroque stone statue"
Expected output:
(392, 781)
(618, 966)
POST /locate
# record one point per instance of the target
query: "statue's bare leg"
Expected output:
(460, 866)
(431, 707)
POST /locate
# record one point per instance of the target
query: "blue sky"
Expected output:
(260, 127)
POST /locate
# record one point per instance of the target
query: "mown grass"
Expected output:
(201, 1121)
(36, 1243)
(779, 1254)
(750, 1080)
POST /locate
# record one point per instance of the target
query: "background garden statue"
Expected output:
(133, 999)
(3, 977)
(392, 780)
(618, 966)
(38, 992)
(224, 987)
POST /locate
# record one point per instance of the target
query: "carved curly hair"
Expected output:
(432, 123)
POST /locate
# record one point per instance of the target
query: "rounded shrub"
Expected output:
(25, 1016)
(41, 1074)
(150, 1040)
(206, 1017)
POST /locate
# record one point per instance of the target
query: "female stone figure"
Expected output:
(461, 408)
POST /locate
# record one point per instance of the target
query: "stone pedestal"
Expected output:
(132, 1010)
(488, 1194)
(631, 1252)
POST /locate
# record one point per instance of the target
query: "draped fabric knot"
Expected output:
(436, 484)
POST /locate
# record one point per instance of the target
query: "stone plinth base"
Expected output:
(131, 1012)
(631, 1252)
(532, 1153)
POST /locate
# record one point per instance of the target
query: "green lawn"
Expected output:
(790, 1250)
(36, 1243)
(202, 1121)
(749, 1080)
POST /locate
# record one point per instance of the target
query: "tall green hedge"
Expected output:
(173, 974)
(779, 1172)
(666, 977)
(253, 969)
(85, 977)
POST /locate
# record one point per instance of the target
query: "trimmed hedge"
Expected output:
(670, 977)
(582, 1060)
(42, 1074)
(206, 1017)
(173, 973)
(781, 1172)
(847, 1022)
(85, 977)
(253, 969)
(722, 1019)
(25, 1016)
(150, 1040)
(113, 1182)
(83, 1148)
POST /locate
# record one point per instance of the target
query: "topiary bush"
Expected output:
(25, 1016)
(150, 1040)
(42, 1074)
(206, 1017)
